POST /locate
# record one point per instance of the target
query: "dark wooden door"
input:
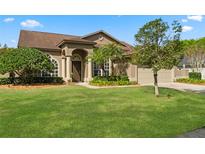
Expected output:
(76, 69)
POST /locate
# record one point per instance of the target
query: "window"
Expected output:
(97, 71)
(53, 73)
(106, 67)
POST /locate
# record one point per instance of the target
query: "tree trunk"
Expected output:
(12, 76)
(156, 88)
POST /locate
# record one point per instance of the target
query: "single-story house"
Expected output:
(69, 52)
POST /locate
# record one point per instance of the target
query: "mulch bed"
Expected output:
(31, 86)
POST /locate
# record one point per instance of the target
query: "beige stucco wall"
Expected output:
(132, 72)
(145, 76)
(105, 40)
(184, 73)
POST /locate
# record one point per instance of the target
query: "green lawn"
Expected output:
(80, 112)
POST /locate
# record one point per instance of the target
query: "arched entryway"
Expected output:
(78, 61)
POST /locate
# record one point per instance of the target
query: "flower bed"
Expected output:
(111, 81)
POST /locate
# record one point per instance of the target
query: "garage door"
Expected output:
(145, 76)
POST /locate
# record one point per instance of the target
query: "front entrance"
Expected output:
(76, 70)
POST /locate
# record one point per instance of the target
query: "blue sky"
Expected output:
(121, 27)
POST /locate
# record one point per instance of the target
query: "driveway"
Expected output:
(184, 87)
(198, 133)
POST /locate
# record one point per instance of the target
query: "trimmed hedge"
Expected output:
(5, 81)
(31, 80)
(192, 81)
(111, 81)
(111, 78)
(195, 75)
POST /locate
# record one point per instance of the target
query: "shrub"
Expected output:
(4, 81)
(111, 81)
(195, 75)
(193, 81)
(124, 78)
(31, 80)
(111, 78)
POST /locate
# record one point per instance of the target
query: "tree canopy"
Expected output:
(158, 47)
(102, 54)
(194, 52)
(23, 61)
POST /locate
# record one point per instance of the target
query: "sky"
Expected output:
(120, 26)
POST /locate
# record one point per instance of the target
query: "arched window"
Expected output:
(53, 73)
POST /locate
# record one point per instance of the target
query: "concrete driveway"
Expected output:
(198, 133)
(184, 87)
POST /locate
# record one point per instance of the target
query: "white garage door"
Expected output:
(145, 76)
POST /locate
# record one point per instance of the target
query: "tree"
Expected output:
(194, 52)
(102, 54)
(24, 61)
(158, 47)
(5, 46)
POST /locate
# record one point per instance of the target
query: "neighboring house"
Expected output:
(69, 52)
(190, 64)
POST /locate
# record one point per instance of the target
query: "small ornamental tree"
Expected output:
(24, 61)
(102, 54)
(158, 47)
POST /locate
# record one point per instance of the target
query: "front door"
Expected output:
(76, 70)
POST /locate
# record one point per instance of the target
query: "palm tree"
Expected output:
(106, 52)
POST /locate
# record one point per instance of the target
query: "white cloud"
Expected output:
(8, 20)
(31, 23)
(184, 20)
(195, 18)
(186, 28)
(13, 41)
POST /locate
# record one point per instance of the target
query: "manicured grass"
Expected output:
(75, 111)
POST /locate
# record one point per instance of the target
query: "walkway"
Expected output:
(100, 87)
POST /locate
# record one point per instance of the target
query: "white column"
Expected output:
(110, 67)
(101, 72)
(68, 67)
(89, 69)
(63, 68)
(173, 74)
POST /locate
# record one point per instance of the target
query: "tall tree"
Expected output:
(5, 46)
(102, 54)
(194, 52)
(158, 47)
(24, 61)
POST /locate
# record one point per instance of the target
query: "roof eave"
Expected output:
(75, 42)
